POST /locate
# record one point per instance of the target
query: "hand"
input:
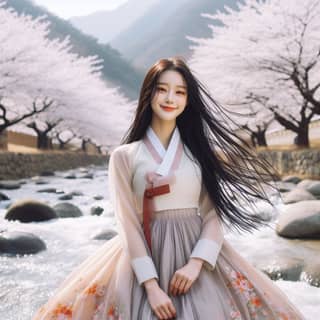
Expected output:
(184, 277)
(159, 301)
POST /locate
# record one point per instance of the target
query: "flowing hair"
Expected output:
(232, 172)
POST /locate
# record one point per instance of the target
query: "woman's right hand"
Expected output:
(159, 301)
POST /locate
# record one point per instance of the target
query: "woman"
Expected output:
(179, 176)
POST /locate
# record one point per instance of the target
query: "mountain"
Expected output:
(106, 25)
(144, 31)
(116, 70)
(162, 31)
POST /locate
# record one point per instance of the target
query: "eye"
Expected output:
(181, 92)
(161, 89)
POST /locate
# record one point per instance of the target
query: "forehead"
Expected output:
(171, 77)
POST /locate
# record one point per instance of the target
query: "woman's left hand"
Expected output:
(184, 277)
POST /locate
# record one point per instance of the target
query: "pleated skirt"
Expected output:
(104, 286)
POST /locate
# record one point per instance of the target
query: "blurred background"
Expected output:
(70, 75)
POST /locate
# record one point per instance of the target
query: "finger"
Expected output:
(182, 285)
(172, 309)
(160, 313)
(176, 286)
(157, 313)
(167, 312)
(172, 283)
(187, 286)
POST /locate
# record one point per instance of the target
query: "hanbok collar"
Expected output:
(168, 159)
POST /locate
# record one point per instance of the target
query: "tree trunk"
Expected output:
(261, 138)
(253, 139)
(302, 138)
(4, 140)
(43, 141)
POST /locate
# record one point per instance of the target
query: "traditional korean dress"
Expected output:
(108, 285)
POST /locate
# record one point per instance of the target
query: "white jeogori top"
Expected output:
(128, 167)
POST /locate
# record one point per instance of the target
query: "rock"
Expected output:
(76, 193)
(3, 197)
(47, 190)
(314, 188)
(16, 242)
(297, 195)
(47, 173)
(285, 268)
(105, 235)
(86, 176)
(96, 211)
(67, 210)
(9, 185)
(291, 179)
(98, 197)
(30, 211)
(311, 273)
(70, 176)
(305, 183)
(66, 196)
(300, 220)
(41, 181)
(284, 186)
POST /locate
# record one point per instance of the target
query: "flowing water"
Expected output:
(26, 282)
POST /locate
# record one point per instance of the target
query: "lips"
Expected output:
(168, 108)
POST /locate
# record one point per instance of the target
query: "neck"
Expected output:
(163, 130)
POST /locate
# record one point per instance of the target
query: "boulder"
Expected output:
(17, 242)
(30, 211)
(304, 184)
(284, 186)
(9, 185)
(3, 197)
(41, 181)
(297, 195)
(314, 188)
(47, 173)
(96, 211)
(76, 193)
(67, 210)
(70, 176)
(67, 196)
(105, 235)
(291, 179)
(311, 273)
(285, 268)
(47, 190)
(98, 197)
(86, 176)
(300, 220)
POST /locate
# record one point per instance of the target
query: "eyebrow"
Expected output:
(164, 83)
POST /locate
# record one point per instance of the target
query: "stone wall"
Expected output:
(304, 163)
(22, 165)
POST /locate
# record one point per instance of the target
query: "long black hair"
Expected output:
(231, 171)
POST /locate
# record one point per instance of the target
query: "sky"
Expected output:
(70, 8)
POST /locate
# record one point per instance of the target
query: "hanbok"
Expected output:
(108, 285)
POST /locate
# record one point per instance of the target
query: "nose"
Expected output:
(169, 97)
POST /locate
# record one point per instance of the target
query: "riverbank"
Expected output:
(18, 165)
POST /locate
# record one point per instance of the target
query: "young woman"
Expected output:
(178, 178)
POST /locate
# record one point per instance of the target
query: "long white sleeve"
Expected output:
(211, 238)
(130, 227)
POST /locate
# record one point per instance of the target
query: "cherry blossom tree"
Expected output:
(46, 87)
(266, 55)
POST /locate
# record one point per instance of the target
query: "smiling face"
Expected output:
(170, 98)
